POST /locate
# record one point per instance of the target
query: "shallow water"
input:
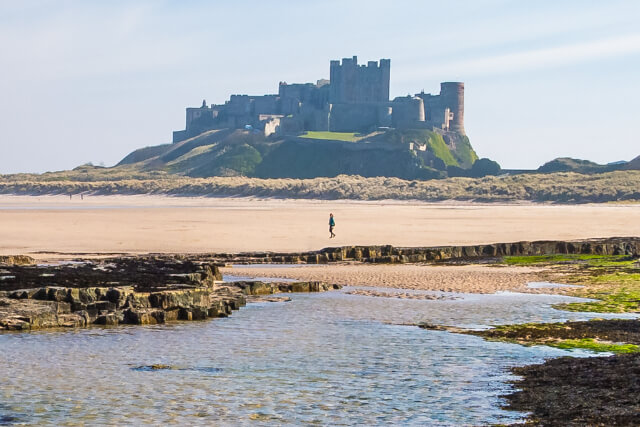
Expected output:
(549, 285)
(233, 278)
(327, 358)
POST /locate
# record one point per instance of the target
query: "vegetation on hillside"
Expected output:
(381, 165)
(436, 144)
(142, 154)
(567, 164)
(464, 153)
(458, 152)
(233, 152)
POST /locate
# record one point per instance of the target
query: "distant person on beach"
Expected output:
(332, 223)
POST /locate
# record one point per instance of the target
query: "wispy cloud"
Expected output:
(549, 57)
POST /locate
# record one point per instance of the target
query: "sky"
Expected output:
(91, 81)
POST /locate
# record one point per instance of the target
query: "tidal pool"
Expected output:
(327, 358)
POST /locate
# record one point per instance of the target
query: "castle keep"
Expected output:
(355, 99)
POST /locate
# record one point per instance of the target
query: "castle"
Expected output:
(354, 99)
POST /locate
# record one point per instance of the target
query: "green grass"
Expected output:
(193, 153)
(335, 136)
(434, 142)
(464, 152)
(437, 146)
(594, 345)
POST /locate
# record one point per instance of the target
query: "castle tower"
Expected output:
(385, 78)
(452, 97)
(354, 84)
(408, 112)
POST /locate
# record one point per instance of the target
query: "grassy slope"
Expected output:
(464, 153)
(436, 144)
(229, 152)
(145, 153)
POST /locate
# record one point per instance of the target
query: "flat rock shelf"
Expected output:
(127, 290)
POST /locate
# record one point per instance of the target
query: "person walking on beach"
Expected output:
(332, 223)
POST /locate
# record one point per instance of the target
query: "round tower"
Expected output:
(452, 96)
(408, 112)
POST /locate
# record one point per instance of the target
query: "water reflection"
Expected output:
(329, 358)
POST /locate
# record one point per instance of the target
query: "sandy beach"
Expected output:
(143, 224)
(465, 278)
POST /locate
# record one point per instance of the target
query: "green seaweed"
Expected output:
(594, 345)
(550, 334)
(524, 326)
(618, 277)
(621, 300)
(617, 292)
(590, 260)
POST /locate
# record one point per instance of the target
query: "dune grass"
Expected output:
(556, 188)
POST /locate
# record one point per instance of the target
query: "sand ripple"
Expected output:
(466, 278)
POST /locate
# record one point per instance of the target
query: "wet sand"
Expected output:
(143, 224)
(464, 278)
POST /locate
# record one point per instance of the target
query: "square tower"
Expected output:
(356, 84)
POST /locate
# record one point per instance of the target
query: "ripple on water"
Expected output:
(327, 358)
(549, 285)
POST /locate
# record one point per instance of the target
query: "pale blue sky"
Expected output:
(93, 80)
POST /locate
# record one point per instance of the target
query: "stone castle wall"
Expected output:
(355, 99)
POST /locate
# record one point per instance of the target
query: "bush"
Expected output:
(483, 167)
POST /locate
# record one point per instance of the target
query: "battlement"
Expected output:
(353, 62)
